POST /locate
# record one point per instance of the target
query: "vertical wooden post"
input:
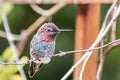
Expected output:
(87, 26)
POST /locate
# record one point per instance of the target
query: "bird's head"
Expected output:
(48, 31)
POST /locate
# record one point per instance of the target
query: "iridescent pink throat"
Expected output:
(46, 38)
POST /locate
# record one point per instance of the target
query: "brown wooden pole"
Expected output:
(87, 26)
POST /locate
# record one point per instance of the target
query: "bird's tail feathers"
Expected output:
(34, 67)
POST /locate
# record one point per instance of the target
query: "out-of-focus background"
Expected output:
(20, 17)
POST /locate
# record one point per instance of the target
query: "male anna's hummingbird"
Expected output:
(42, 47)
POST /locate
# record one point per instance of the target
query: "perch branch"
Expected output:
(14, 63)
(65, 53)
(112, 43)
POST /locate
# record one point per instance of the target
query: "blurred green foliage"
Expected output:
(22, 16)
(9, 72)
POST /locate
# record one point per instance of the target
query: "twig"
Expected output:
(15, 37)
(86, 50)
(39, 10)
(12, 45)
(113, 31)
(14, 63)
(105, 22)
(33, 1)
(101, 61)
(57, 1)
(111, 48)
(113, 28)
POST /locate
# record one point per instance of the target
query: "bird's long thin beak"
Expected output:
(61, 30)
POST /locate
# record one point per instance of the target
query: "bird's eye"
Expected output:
(49, 30)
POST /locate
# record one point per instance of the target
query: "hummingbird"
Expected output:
(42, 47)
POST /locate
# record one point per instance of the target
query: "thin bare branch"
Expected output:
(88, 50)
(111, 48)
(57, 1)
(12, 45)
(3, 34)
(39, 10)
(113, 28)
(15, 37)
(107, 17)
(113, 31)
(14, 63)
(101, 61)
